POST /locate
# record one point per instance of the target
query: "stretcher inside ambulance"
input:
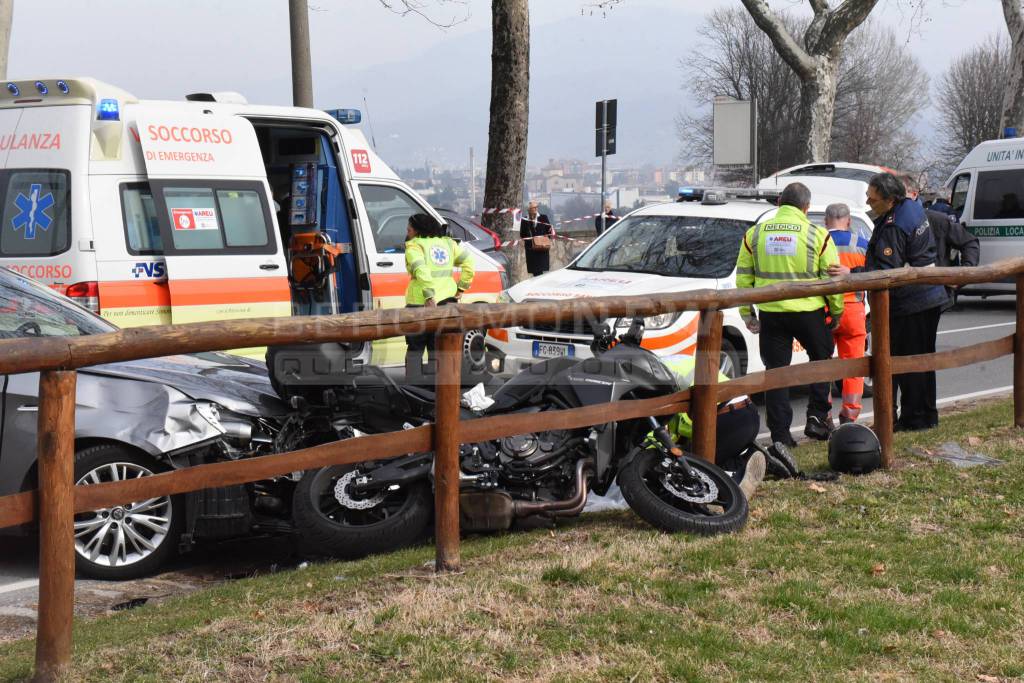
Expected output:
(157, 212)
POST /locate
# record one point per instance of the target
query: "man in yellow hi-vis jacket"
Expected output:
(430, 258)
(788, 248)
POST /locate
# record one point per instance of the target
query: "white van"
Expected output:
(987, 193)
(155, 212)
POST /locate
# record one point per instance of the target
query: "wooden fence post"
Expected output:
(1018, 357)
(881, 372)
(56, 454)
(446, 451)
(703, 406)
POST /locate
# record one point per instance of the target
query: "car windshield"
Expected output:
(674, 246)
(28, 309)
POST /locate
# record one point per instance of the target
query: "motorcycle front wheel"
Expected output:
(657, 489)
(333, 520)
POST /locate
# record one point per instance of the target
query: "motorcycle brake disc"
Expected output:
(708, 496)
(341, 494)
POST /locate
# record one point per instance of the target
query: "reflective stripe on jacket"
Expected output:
(787, 248)
(852, 250)
(430, 262)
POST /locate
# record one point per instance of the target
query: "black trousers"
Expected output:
(415, 371)
(778, 330)
(909, 335)
(735, 430)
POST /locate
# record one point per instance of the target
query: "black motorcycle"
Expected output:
(351, 511)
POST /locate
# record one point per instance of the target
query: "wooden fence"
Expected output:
(58, 499)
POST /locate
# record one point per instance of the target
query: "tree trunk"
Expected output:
(817, 108)
(1013, 94)
(510, 100)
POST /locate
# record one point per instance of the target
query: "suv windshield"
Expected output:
(28, 309)
(674, 246)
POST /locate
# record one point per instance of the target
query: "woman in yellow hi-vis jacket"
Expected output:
(430, 259)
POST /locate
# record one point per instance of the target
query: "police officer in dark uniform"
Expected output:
(903, 237)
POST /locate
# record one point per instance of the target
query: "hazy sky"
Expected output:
(427, 88)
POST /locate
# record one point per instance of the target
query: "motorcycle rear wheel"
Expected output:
(661, 498)
(327, 526)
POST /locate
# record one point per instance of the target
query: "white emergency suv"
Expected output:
(662, 248)
(155, 212)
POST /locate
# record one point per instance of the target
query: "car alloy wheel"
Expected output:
(124, 534)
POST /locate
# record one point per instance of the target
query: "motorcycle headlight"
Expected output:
(655, 322)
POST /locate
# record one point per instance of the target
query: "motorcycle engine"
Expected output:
(531, 448)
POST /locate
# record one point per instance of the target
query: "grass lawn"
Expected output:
(914, 574)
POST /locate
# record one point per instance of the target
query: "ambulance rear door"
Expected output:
(212, 201)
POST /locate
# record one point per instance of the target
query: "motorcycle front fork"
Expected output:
(669, 449)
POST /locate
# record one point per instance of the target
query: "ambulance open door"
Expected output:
(212, 200)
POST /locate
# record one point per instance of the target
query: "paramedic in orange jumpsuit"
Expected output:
(851, 334)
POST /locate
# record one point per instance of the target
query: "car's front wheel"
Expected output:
(130, 540)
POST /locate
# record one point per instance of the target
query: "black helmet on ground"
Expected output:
(854, 449)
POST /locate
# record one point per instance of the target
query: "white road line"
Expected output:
(978, 327)
(19, 586)
(939, 402)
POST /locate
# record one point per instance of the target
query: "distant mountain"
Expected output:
(435, 106)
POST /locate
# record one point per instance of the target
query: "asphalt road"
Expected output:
(976, 320)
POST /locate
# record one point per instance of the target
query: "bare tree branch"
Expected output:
(418, 8)
(840, 22)
(968, 114)
(775, 28)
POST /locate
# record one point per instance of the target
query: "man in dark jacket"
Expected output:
(902, 237)
(949, 234)
(538, 259)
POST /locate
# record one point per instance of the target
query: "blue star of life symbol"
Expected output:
(439, 255)
(32, 211)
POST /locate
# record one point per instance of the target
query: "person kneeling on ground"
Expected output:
(737, 427)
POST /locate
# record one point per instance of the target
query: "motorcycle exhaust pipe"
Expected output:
(570, 506)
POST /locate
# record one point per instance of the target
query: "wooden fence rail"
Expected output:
(57, 499)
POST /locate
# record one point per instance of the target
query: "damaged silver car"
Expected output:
(135, 419)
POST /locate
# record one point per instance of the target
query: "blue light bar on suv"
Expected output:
(346, 116)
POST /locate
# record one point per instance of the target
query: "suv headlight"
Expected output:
(655, 322)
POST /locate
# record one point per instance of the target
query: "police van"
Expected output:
(987, 193)
(158, 212)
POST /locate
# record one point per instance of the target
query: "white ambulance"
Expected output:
(156, 212)
(987, 193)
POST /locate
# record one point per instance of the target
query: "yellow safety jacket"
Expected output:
(683, 367)
(787, 248)
(430, 262)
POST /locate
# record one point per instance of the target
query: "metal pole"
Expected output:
(472, 181)
(753, 137)
(604, 156)
(302, 70)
